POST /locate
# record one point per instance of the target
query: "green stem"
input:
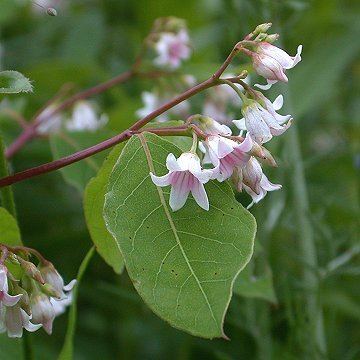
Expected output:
(306, 240)
(8, 202)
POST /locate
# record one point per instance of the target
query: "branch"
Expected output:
(125, 135)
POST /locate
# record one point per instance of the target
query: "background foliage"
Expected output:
(90, 41)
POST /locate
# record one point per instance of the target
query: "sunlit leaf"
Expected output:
(182, 263)
(94, 198)
(12, 82)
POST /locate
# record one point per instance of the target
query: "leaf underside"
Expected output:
(94, 198)
(182, 263)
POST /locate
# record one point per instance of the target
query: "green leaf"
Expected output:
(12, 82)
(182, 263)
(67, 350)
(9, 230)
(94, 198)
(182, 142)
(66, 143)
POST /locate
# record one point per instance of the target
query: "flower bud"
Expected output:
(209, 126)
(51, 291)
(169, 24)
(262, 153)
(42, 311)
(262, 28)
(271, 38)
(31, 270)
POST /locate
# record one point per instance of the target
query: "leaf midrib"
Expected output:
(172, 225)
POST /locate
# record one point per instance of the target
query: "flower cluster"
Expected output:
(233, 156)
(84, 117)
(30, 296)
(171, 42)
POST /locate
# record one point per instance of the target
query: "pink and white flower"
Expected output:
(252, 179)
(172, 49)
(42, 311)
(226, 154)
(261, 120)
(271, 62)
(185, 175)
(211, 127)
(5, 298)
(14, 319)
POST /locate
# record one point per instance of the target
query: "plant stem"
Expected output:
(306, 240)
(9, 204)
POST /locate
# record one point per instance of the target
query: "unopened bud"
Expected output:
(262, 28)
(51, 11)
(51, 291)
(264, 154)
(169, 24)
(31, 270)
(261, 37)
(271, 38)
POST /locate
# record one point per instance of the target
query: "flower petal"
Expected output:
(180, 191)
(10, 300)
(171, 163)
(161, 180)
(278, 103)
(70, 285)
(240, 124)
(200, 196)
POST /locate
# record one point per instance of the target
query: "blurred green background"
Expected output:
(92, 40)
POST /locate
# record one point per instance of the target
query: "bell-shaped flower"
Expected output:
(261, 120)
(51, 276)
(172, 49)
(85, 118)
(252, 179)
(209, 126)
(5, 298)
(42, 311)
(14, 319)
(60, 305)
(185, 175)
(226, 154)
(271, 62)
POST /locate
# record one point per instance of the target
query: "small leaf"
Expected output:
(182, 263)
(12, 82)
(9, 230)
(94, 198)
(67, 350)
(66, 143)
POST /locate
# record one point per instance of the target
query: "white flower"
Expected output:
(51, 276)
(185, 175)
(211, 127)
(61, 305)
(263, 122)
(42, 311)
(85, 118)
(14, 319)
(254, 181)
(226, 154)
(49, 125)
(152, 101)
(5, 298)
(172, 49)
(271, 62)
